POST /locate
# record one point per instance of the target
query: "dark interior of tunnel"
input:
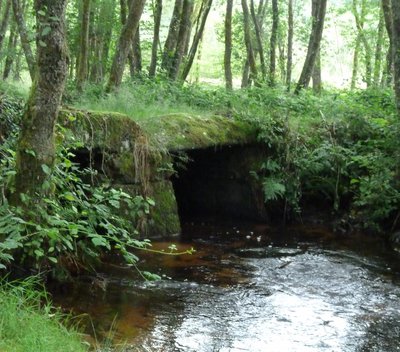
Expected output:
(216, 184)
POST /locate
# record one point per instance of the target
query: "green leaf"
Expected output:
(46, 30)
(39, 253)
(42, 43)
(46, 169)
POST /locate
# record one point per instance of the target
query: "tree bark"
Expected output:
(273, 41)
(197, 38)
(36, 145)
(387, 13)
(184, 30)
(4, 22)
(313, 46)
(19, 19)
(172, 37)
(355, 63)
(396, 49)
(125, 44)
(290, 46)
(82, 73)
(249, 45)
(378, 50)
(316, 75)
(258, 33)
(228, 45)
(11, 51)
(157, 13)
(359, 19)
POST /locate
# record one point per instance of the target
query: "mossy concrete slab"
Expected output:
(186, 132)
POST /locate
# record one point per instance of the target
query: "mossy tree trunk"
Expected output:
(387, 13)
(36, 145)
(11, 51)
(396, 49)
(205, 10)
(313, 46)
(258, 33)
(273, 42)
(289, 61)
(23, 32)
(248, 41)
(125, 44)
(378, 50)
(157, 12)
(172, 37)
(83, 64)
(228, 45)
(4, 22)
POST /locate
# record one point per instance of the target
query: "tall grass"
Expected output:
(29, 323)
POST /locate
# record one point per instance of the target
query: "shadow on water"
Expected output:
(254, 288)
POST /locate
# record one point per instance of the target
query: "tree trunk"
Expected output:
(355, 63)
(4, 22)
(387, 13)
(228, 45)
(290, 46)
(197, 38)
(396, 49)
(378, 50)
(172, 38)
(125, 44)
(184, 30)
(313, 46)
(137, 52)
(19, 19)
(316, 75)
(248, 42)
(258, 33)
(273, 41)
(36, 145)
(83, 63)
(11, 51)
(18, 56)
(245, 74)
(157, 13)
(360, 18)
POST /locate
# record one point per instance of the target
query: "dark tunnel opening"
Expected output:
(216, 184)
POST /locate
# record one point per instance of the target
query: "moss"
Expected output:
(164, 216)
(184, 131)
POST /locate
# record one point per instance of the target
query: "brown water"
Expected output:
(252, 288)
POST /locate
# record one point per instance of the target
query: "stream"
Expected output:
(253, 288)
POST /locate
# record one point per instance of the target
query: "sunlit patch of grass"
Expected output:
(29, 323)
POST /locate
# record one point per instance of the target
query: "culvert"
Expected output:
(217, 184)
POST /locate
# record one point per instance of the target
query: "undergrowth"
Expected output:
(28, 322)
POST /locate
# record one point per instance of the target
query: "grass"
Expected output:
(27, 324)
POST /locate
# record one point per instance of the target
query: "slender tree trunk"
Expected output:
(313, 46)
(4, 22)
(11, 51)
(248, 42)
(184, 30)
(197, 38)
(258, 33)
(137, 52)
(387, 13)
(172, 38)
(124, 44)
(19, 19)
(273, 41)
(290, 46)
(355, 63)
(360, 18)
(36, 146)
(157, 13)
(82, 73)
(316, 75)
(378, 50)
(396, 49)
(245, 74)
(228, 45)
(18, 56)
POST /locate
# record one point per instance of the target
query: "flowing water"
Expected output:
(252, 288)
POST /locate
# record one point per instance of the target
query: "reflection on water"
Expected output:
(254, 289)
